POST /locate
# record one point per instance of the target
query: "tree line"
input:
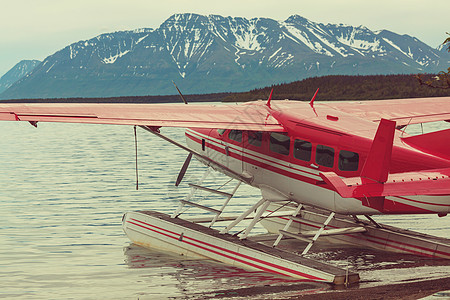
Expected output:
(332, 87)
(346, 87)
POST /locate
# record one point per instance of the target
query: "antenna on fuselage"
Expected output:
(270, 98)
(313, 98)
(179, 92)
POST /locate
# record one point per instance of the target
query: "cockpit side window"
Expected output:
(221, 131)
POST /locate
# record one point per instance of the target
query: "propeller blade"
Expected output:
(183, 169)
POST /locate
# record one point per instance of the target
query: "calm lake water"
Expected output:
(64, 189)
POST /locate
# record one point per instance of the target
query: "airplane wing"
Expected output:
(402, 111)
(244, 117)
(250, 116)
(150, 116)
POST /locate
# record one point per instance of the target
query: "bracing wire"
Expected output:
(136, 154)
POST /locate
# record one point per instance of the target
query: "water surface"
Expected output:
(64, 189)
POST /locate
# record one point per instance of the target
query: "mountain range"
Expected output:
(206, 54)
(20, 70)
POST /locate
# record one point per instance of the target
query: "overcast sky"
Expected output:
(35, 29)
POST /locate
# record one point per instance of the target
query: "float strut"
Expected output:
(243, 216)
(256, 219)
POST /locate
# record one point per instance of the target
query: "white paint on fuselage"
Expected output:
(298, 190)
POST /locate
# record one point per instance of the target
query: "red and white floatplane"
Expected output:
(323, 170)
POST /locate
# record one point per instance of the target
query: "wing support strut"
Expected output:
(242, 177)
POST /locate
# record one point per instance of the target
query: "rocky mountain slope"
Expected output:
(20, 70)
(205, 54)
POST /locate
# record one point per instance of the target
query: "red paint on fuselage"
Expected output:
(343, 133)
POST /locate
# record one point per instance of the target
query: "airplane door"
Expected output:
(234, 149)
(228, 149)
(253, 148)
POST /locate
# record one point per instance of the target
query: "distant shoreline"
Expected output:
(126, 99)
(331, 88)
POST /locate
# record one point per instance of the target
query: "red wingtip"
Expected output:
(270, 98)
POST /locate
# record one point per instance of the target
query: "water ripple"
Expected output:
(64, 190)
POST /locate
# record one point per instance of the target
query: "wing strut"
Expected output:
(243, 177)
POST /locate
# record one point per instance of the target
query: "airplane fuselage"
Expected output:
(289, 163)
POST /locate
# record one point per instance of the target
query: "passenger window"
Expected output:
(279, 143)
(302, 150)
(348, 161)
(255, 138)
(221, 131)
(325, 156)
(235, 135)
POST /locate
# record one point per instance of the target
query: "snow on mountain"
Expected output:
(212, 53)
(20, 70)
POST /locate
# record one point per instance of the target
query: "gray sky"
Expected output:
(35, 29)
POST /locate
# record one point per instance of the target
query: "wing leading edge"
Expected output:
(244, 117)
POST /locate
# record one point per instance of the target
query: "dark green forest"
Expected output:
(339, 87)
(218, 97)
(333, 87)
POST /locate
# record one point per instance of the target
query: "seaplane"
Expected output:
(322, 168)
